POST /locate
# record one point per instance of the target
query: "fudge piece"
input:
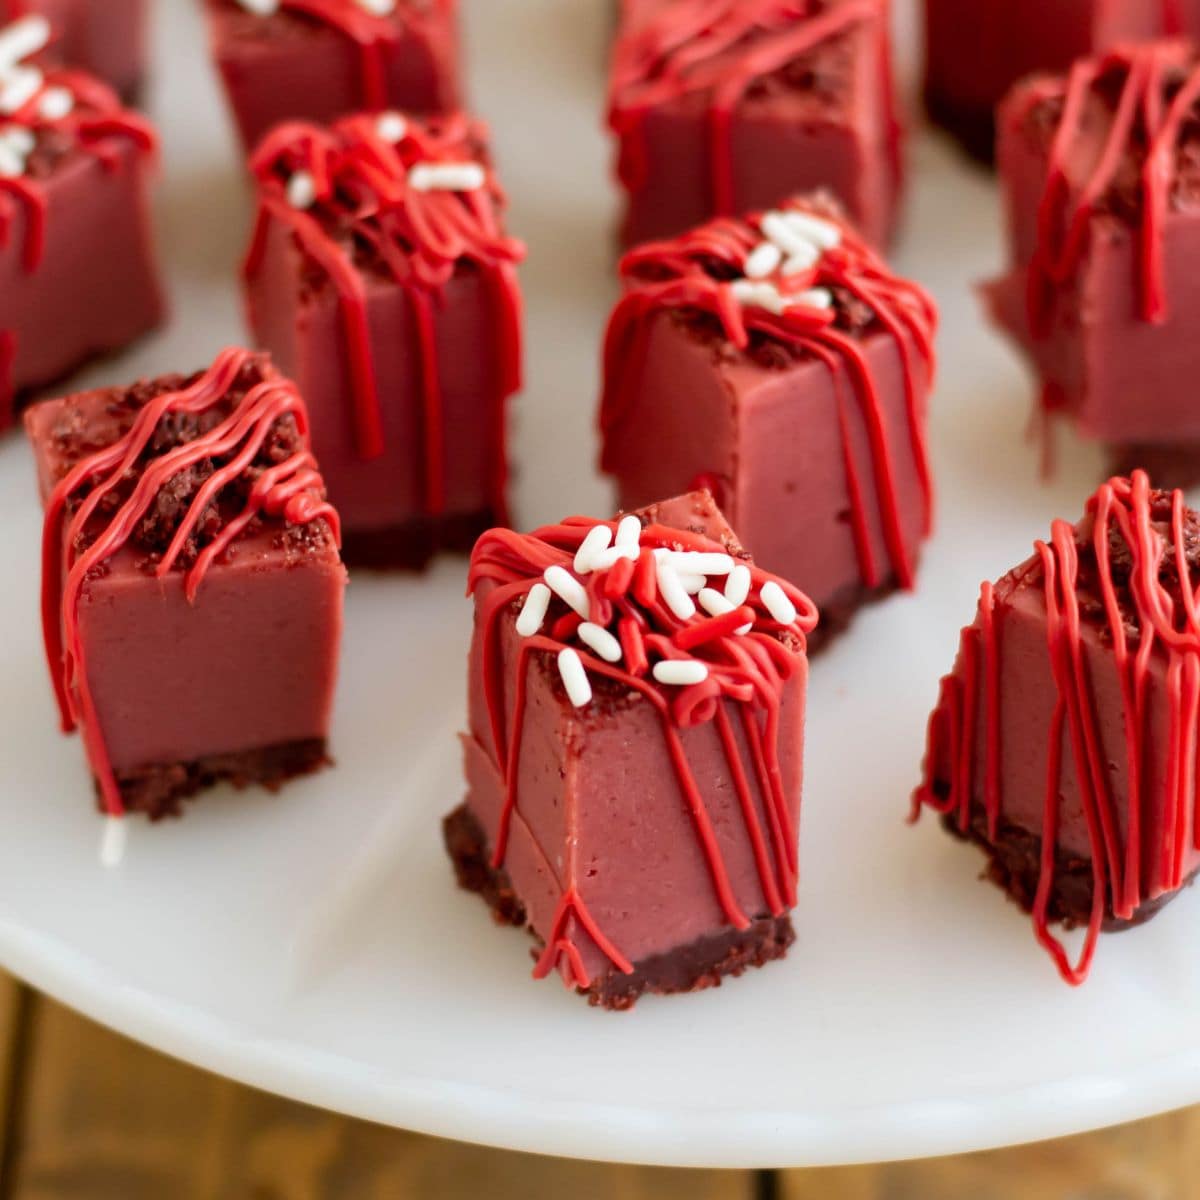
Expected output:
(723, 108)
(975, 50)
(1101, 176)
(777, 361)
(106, 38)
(315, 60)
(192, 590)
(382, 281)
(1064, 742)
(634, 755)
(77, 270)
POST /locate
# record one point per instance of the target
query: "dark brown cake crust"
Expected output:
(1014, 865)
(975, 131)
(159, 790)
(411, 545)
(700, 964)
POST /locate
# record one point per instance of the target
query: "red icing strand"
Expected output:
(1157, 88)
(95, 121)
(719, 49)
(291, 491)
(697, 272)
(748, 670)
(1128, 512)
(366, 204)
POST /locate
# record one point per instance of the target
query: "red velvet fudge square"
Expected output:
(635, 749)
(1102, 295)
(382, 281)
(78, 276)
(192, 589)
(977, 49)
(316, 60)
(106, 38)
(778, 361)
(1064, 741)
(722, 109)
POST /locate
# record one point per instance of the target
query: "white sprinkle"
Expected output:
(261, 8)
(301, 190)
(447, 177)
(681, 672)
(564, 585)
(775, 601)
(692, 583)
(391, 126)
(533, 611)
(17, 87)
(377, 8)
(715, 603)
(598, 539)
(814, 298)
(702, 562)
(19, 139)
(607, 559)
(56, 103)
(757, 295)
(601, 641)
(112, 842)
(737, 586)
(629, 533)
(778, 227)
(763, 260)
(23, 38)
(802, 260)
(12, 164)
(574, 677)
(814, 229)
(674, 594)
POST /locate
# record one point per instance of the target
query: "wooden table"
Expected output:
(88, 1115)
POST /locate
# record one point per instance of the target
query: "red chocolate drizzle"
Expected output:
(694, 273)
(95, 126)
(365, 206)
(747, 670)
(1156, 88)
(1135, 554)
(719, 49)
(93, 513)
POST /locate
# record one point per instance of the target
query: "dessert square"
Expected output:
(1064, 741)
(78, 277)
(316, 60)
(719, 109)
(192, 589)
(106, 38)
(1101, 179)
(381, 279)
(776, 360)
(634, 755)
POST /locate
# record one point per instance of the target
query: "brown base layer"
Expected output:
(1169, 466)
(700, 964)
(159, 790)
(1014, 865)
(410, 545)
(838, 614)
(973, 129)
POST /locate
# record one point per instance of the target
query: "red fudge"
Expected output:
(635, 749)
(723, 108)
(1064, 741)
(977, 49)
(77, 270)
(382, 281)
(106, 38)
(316, 60)
(1101, 175)
(776, 360)
(192, 590)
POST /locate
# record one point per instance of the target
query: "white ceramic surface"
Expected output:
(315, 943)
